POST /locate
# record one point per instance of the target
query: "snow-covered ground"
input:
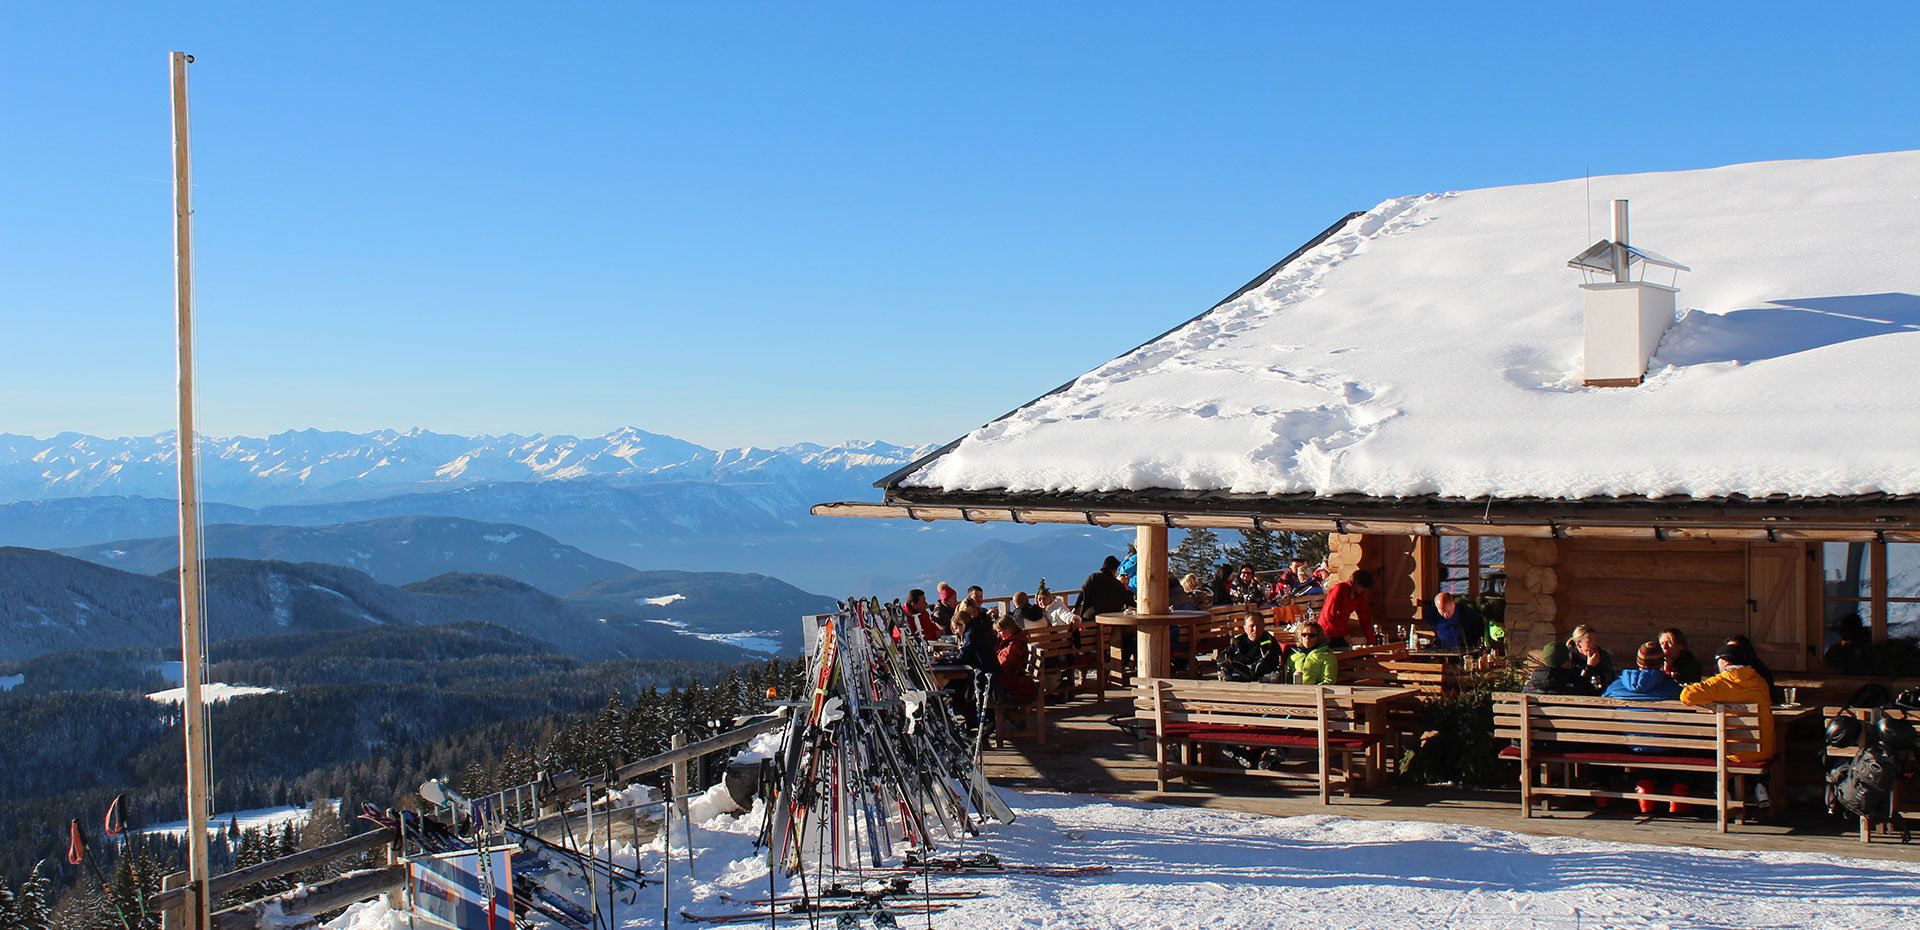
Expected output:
(9, 682)
(1176, 867)
(259, 818)
(212, 692)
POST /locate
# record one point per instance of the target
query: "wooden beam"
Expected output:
(567, 785)
(274, 868)
(317, 899)
(1661, 529)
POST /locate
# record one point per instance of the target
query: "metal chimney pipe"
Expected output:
(1620, 242)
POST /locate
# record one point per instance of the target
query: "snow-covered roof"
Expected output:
(1431, 347)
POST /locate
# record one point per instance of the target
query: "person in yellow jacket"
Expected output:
(1313, 663)
(1737, 683)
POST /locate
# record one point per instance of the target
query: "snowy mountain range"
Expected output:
(311, 466)
(630, 497)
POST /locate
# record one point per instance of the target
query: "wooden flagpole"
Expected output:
(193, 711)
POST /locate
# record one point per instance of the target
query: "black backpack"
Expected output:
(1863, 785)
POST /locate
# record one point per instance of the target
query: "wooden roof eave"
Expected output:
(1863, 518)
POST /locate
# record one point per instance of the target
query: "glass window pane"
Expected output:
(1903, 617)
(1841, 613)
(1903, 570)
(1844, 570)
(1453, 550)
(1493, 550)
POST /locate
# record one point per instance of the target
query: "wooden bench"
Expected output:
(1591, 731)
(1064, 670)
(1190, 718)
(1204, 641)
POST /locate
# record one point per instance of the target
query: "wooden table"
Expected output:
(1154, 655)
(1377, 701)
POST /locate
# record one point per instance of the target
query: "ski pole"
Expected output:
(76, 851)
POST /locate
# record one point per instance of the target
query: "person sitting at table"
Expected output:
(1221, 586)
(1678, 660)
(1247, 588)
(1555, 676)
(1590, 659)
(1759, 665)
(1012, 654)
(979, 648)
(1738, 682)
(1253, 654)
(1198, 596)
(920, 616)
(945, 601)
(1456, 625)
(1057, 610)
(976, 597)
(1648, 682)
(1296, 581)
(1346, 602)
(1026, 611)
(1314, 663)
(1104, 593)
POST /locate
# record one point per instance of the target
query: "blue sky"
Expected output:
(764, 223)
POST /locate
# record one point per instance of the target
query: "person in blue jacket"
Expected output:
(1130, 569)
(1649, 682)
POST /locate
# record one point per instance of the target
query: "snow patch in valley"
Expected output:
(259, 818)
(212, 693)
(660, 601)
(10, 682)
(506, 538)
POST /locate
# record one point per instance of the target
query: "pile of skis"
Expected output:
(873, 754)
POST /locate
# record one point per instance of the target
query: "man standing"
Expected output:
(1346, 601)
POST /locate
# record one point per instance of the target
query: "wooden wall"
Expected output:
(1403, 568)
(1628, 590)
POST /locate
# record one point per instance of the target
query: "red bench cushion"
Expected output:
(1636, 758)
(1261, 736)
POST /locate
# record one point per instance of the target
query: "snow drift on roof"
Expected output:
(1432, 347)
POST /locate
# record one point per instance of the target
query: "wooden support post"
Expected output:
(197, 917)
(172, 918)
(1150, 547)
(679, 786)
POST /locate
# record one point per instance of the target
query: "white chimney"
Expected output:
(1624, 318)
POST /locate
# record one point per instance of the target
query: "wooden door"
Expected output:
(1776, 601)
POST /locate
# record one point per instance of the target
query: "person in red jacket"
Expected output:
(1346, 600)
(1012, 653)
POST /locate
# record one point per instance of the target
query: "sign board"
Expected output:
(461, 891)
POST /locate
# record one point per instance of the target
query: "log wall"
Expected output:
(1398, 564)
(1627, 590)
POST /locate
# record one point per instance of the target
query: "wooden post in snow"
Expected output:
(192, 712)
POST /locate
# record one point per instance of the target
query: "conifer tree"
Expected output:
(1258, 548)
(1197, 554)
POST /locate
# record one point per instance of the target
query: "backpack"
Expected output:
(1862, 786)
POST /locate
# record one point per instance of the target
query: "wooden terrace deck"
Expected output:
(1085, 755)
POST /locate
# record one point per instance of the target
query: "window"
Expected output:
(1874, 584)
(1472, 566)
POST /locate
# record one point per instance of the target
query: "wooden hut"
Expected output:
(1519, 380)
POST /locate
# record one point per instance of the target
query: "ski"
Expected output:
(815, 913)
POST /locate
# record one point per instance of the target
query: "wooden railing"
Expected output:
(352, 887)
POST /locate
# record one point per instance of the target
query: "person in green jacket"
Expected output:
(1313, 662)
